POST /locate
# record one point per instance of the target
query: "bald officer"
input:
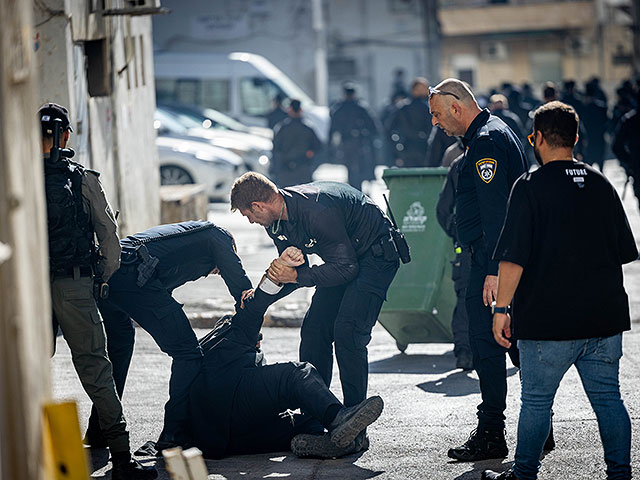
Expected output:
(493, 160)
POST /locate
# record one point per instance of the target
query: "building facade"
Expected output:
(96, 57)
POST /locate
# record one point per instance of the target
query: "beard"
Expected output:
(538, 157)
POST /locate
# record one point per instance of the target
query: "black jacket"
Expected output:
(187, 251)
(336, 222)
(493, 161)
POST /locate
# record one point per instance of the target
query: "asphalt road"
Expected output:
(429, 405)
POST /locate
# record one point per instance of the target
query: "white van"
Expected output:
(239, 84)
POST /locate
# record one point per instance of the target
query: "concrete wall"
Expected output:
(113, 130)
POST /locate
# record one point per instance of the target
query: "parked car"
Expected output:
(239, 84)
(184, 161)
(210, 118)
(254, 150)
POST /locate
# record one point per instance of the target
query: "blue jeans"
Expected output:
(543, 364)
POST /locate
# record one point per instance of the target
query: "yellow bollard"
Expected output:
(64, 454)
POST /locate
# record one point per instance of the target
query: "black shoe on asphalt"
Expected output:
(350, 421)
(147, 450)
(491, 475)
(464, 360)
(550, 443)
(319, 446)
(126, 468)
(482, 445)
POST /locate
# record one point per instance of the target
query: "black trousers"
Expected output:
(345, 315)
(155, 310)
(489, 358)
(259, 419)
(460, 271)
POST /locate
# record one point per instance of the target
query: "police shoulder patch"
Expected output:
(486, 168)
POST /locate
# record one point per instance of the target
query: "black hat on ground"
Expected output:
(48, 113)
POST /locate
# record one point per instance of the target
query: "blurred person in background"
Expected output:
(295, 145)
(412, 126)
(387, 115)
(499, 106)
(626, 146)
(353, 132)
(595, 119)
(277, 113)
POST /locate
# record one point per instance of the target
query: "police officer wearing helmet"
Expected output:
(494, 158)
(78, 213)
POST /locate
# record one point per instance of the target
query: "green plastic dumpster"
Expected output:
(421, 299)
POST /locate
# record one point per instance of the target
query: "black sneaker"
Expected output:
(319, 446)
(350, 421)
(491, 475)
(482, 445)
(126, 468)
(147, 450)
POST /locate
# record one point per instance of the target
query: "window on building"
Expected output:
(190, 91)
(546, 66)
(98, 71)
(257, 94)
(466, 75)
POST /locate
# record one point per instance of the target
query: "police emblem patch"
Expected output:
(486, 168)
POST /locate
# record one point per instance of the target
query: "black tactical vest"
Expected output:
(70, 231)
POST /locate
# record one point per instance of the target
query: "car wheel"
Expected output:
(173, 175)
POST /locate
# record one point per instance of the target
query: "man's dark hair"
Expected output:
(558, 123)
(251, 187)
(295, 105)
(550, 90)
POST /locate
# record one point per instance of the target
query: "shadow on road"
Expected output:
(478, 467)
(287, 466)
(457, 384)
(402, 363)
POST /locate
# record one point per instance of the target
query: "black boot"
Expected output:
(126, 468)
(352, 420)
(482, 444)
(491, 475)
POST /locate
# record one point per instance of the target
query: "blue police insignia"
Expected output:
(486, 168)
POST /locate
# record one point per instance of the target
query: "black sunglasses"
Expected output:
(435, 91)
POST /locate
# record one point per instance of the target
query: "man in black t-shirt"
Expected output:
(561, 252)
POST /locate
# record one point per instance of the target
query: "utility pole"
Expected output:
(320, 54)
(636, 36)
(431, 33)
(25, 318)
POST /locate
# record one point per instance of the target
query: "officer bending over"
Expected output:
(237, 400)
(352, 236)
(77, 213)
(154, 262)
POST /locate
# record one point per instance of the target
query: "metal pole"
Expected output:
(320, 54)
(431, 32)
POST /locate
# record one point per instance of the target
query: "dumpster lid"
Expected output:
(414, 172)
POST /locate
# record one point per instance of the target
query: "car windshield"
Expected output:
(224, 120)
(167, 121)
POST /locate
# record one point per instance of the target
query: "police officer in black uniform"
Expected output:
(411, 126)
(277, 113)
(154, 263)
(77, 213)
(493, 160)
(626, 146)
(353, 132)
(460, 268)
(237, 400)
(295, 146)
(352, 236)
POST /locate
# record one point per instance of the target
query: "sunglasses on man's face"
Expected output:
(435, 91)
(532, 139)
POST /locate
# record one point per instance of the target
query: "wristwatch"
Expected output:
(503, 310)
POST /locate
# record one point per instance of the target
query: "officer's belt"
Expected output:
(73, 272)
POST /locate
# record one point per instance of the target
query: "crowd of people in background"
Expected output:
(402, 135)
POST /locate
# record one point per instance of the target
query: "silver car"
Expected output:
(184, 161)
